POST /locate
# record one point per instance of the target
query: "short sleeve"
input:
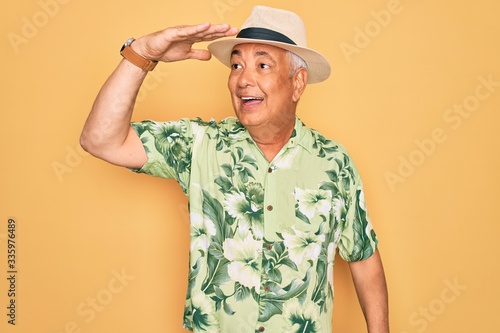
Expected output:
(358, 240)
(168, 146)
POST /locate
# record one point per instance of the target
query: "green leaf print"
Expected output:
(241, 165)
(274, 274)
(333, 175)
(301, 215)
(217, 264)
(213, 209)
(228, 170)
(221, 300)
(228, 309)
(362, 243)
(215, 249)
(246, 207)
(241, 292)
(250, 160)
(271, 303)
(270, 308)
(322, 145)
(329, 186)
(224, 183)
(192, 276)
(321, 267)
(345, 173)
(217, 274)
(276, 255)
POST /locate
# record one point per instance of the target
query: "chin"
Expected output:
(248, 117)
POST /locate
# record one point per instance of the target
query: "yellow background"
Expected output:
(430, 172)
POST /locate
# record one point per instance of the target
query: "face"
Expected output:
(263, 93)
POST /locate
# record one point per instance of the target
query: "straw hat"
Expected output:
(279, 28)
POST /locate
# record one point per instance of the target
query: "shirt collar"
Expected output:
(301, 136)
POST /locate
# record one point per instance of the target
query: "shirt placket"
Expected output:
(270, 219)
(270, 183)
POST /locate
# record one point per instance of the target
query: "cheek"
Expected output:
(273, 87)
(280, 91)
(231, 86)
(230, 83)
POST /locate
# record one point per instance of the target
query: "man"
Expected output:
(271, 201)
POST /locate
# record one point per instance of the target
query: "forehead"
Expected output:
(257, 49)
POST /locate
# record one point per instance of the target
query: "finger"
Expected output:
(223, 28)
(187, 31)
(200, 54)
(204, 32)
(220, 30)
(230, 31)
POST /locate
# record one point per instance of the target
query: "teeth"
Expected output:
(250, 98)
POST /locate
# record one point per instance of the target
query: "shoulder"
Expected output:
(333, 155)
(324, 146)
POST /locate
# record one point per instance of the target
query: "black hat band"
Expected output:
(264, 34)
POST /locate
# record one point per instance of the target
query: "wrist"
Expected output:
(139, 47)
(134, 56)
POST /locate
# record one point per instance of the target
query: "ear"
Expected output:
(299, 83)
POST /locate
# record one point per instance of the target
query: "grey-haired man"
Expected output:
(271, 200)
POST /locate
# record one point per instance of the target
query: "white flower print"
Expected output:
(303, 245)
(204, 319)
(201, 232)
(331, 261)
(301, 318)
(244, 256)
(246, 208)
(312, 201)
(362, 202)
(339, 208)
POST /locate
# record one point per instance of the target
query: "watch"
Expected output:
(136, 59)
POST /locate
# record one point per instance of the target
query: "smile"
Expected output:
(251, 99)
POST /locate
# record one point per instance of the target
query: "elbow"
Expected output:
(84, 143)
(88, 144)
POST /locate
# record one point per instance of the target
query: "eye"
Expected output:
(264, 66)
(235, 66)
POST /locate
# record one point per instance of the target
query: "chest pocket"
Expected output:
(312, 209)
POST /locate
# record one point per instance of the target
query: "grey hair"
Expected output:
(296, 63)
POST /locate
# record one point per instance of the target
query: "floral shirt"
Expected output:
(263, 234)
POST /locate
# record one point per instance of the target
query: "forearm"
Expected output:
(371, 288)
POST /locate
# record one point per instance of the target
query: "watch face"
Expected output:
(127, 43)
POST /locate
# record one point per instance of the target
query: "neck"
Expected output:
(271, 142)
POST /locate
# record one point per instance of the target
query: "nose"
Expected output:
(246, 78)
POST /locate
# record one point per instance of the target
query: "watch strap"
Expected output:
(137, 60)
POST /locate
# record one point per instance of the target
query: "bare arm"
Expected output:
(107, 133)
(369, 280)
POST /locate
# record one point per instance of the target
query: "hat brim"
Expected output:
(318, 68)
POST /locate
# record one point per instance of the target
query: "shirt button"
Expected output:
(261, 329)
(270, 208)
(270, 170)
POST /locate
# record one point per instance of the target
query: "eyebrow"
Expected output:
(263, 53)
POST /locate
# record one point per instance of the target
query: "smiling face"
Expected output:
(263, 91)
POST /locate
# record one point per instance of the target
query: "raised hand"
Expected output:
(176, 43)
